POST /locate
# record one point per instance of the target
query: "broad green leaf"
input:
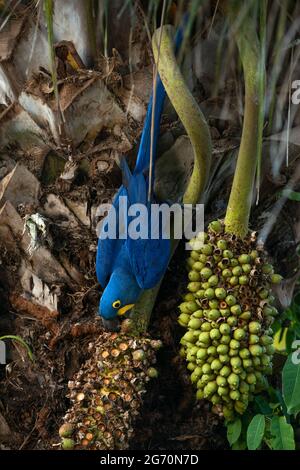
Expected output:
(283, 434)
(291, 383)
(234, 431)
(255, 432)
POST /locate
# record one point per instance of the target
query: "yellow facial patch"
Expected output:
(125, 309)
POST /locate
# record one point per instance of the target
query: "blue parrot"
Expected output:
(126, 266)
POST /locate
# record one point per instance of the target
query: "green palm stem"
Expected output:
(198, 132)
(239, 205)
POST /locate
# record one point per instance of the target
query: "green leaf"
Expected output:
(234, 430)
(291, 383)
(262, 405)
(292, 195)
(255, 432)
(283, 434)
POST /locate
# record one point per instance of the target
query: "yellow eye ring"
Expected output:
(116, 304)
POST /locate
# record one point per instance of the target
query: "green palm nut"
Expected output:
(225, 371)
(66, 430)
(263, 293)
(183, 319)
(254, 254)
(209, 293)
(246, 268)
(215, 399)
(215, 333)
(244, 353)
(191, 366)
(67, 443)
(256, 361)
(216, 365)
(194, 377)
(232, 321)
(255, 349)
(233, 281)
(244, 259)
(236, 362)
(188, 296)
(193, 286)
(267, 268)
(234, 344)
(213, 314)
(184, 308)
(223, 391)
(276, 278)
(194, 255)
(194, 323)
(200, 294)
(230, 300)
(197, 266)
(197, 314)
(237, 271)
(270, 349)
(274, 312)
(245, 315)
(214, 304)
(225, 329)
(233, 381)
(265, 340)
(202, 258)
(254, 327)
(212, 351)
(201, 353)
(228, 414)
(253, 339)
(265, 360)
(213, 280)
(244, 387)
(192, 306)
(225, 312)
(227, 254)
(239, 334)
(247, 363)
(209, 389)
(205, 378)
(236, 309)
(205, 285)
(220, 293)
(233, 352)
(206, 326)
(234, 395)
(233, 262)
(221, 381)
(206, 369)
(207, 249)
(222, 244)
(189, 337)
(222, 349)
(251, 378)
(206, 273)
(199, 394)
(216, 226)
(224, 358)
(210, 359)
(226, 273)
(204, 337)
(225, 339)
(194, 276)
(243, 280)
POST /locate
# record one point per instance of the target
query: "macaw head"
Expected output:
(119, 296)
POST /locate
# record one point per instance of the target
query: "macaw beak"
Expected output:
(125, 309)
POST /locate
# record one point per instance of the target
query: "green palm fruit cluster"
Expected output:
(228, 312)
(106, 393)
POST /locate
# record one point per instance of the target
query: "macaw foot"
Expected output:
(111, 325)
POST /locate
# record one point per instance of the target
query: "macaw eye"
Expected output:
(116, 304)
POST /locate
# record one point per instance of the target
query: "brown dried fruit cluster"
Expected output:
(106, 393)
(228, 312)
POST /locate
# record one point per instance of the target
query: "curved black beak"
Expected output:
(111, 325)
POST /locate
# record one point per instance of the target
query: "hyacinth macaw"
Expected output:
(126, 266)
